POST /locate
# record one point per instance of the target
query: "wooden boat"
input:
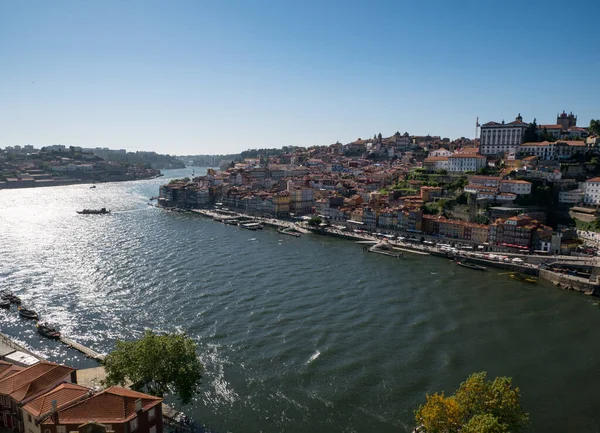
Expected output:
(251, 226)
(5, 303)
(94, 211)
(9, 296)
(288, 231)
(47, 331)
(28, 314)
(524, 278)
(470, 265)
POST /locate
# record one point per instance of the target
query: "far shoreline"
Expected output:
(67, 182)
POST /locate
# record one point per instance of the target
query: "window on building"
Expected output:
(133, 424)
(29, 417)
(153, 429)
(61, 429)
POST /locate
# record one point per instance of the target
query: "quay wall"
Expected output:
(591, 286)
(573, 283)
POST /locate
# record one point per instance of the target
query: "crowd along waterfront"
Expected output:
(297, 334)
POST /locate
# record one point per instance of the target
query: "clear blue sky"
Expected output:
(194, 77)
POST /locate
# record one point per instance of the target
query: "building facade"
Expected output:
(497, 138)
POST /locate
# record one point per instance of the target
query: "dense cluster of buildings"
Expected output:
(392, 184)
(25, 166)
(44, 397)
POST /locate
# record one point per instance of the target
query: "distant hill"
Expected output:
(152, 159)
(217, 160)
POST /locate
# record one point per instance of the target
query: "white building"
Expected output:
(543, 150)
(519, 187)
(574, 196)
(463, 162)
(434, 163)
(592, 191)
(502, 137)
(440, 152)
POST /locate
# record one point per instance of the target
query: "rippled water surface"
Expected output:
(297, 334)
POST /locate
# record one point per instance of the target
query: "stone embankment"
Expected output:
(532, 265)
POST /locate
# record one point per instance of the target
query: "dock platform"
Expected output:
(83, 349)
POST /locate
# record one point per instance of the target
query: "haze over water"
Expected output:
(297, 334)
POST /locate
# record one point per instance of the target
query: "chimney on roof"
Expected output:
(138, 405)
(54, 412)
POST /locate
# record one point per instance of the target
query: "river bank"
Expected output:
(522, 264)
(18, 184)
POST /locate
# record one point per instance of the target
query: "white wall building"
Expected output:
(592, 191)
(496, 138)
(440, 152)
(463, 162)
(574, 196)
(543, 150)
(519, 187)
(434, 163)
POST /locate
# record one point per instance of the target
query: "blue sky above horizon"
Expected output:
(219, 76)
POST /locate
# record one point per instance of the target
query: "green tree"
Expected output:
(530, 135)
(478, 406)
(315, 221)
(157, 364)
(594, 127)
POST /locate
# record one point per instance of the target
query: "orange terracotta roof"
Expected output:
(516, 181)
(467, 155)
(541, 143)
(112, 406)
(11, 370)
(594, 179)
(4, 366)
(33, 380)
(64, 394)
(482, 177)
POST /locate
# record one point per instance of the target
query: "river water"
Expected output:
(297, 334)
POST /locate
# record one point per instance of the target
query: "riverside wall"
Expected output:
(589, 286)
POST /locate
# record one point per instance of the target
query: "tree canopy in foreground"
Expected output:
(477, 406)
(157, 364)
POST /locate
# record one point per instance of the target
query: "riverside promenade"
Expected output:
(580, 274)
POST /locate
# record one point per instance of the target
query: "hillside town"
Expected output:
(27, 166)
(519, 187)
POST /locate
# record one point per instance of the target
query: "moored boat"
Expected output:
(470, 265)
(47, 331)
(251, 226)
(94, 211)
(524, 278)
(288, 231)
(5, 303)
(28, 314)
(9, 296)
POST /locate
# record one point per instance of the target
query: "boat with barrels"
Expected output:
(524, 278)
(100, 211)
(28, 314)
(5, 295)
(47, 331)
